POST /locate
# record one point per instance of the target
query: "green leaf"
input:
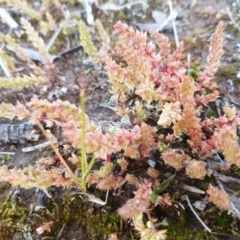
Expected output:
(162, 146)
(161, 188)
(194, 74)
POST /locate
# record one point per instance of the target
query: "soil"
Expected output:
(23, 211)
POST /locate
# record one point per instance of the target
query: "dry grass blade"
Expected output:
(198, 218)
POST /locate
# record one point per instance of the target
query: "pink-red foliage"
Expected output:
(220, 198)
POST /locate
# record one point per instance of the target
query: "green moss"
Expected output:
(5, 159)
(95, 222)
(187, 227)
(193, 73)
(228, 71)
(3, 186)
(232, 29)
(210, 114)
(224, 220)
(203, 235)
(194, 70)
(235, 170)
(72, 216)
(237, 193)
(12, 218)
(178, 230)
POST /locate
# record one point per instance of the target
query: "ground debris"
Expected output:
(18, 133)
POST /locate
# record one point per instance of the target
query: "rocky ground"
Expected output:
(23, 211)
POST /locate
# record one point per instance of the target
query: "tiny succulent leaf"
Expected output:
(161, 188)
